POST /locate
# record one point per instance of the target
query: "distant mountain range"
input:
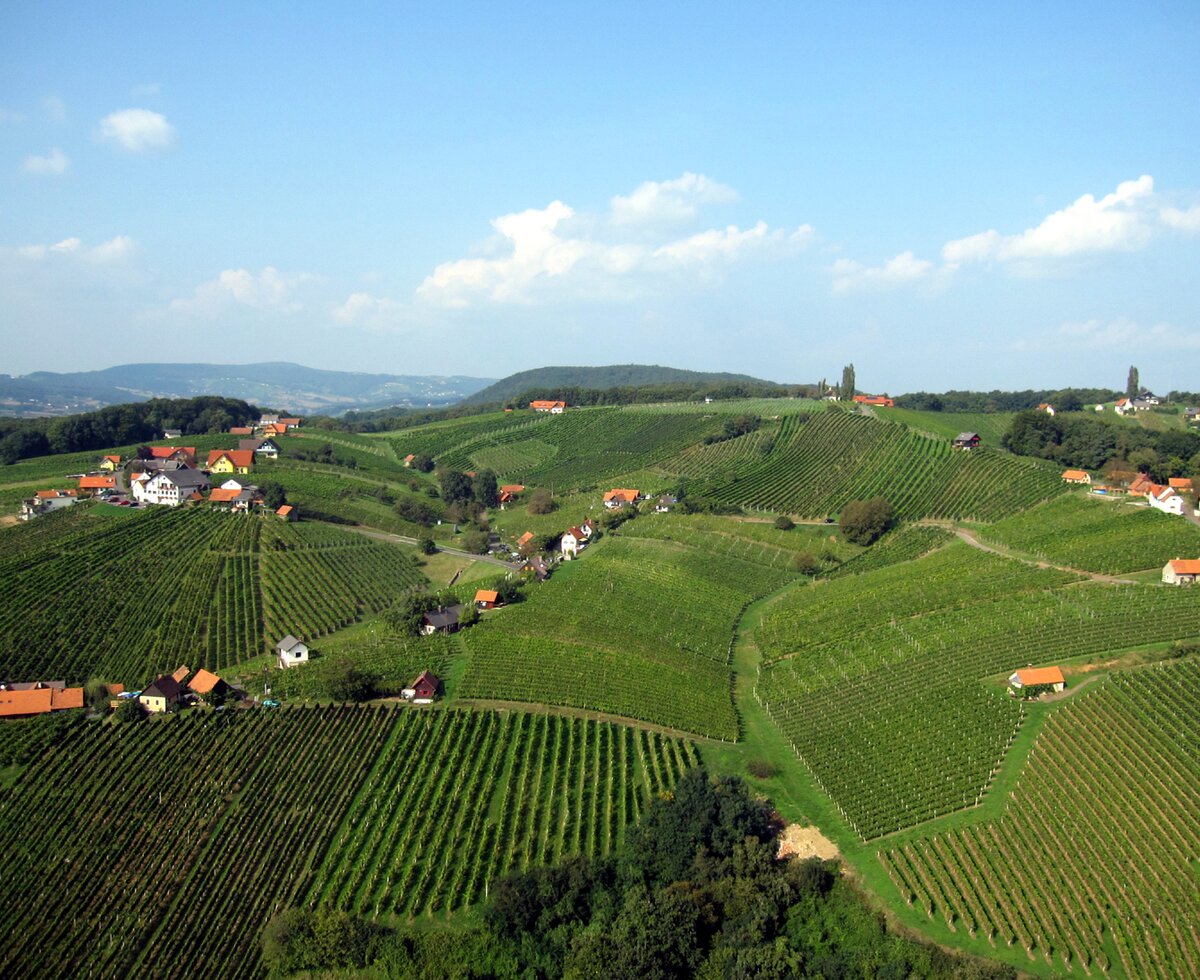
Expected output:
(277, 384)
(611, 376)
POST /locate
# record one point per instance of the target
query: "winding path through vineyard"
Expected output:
(964, 535)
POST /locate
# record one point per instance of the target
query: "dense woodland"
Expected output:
(1063, 399)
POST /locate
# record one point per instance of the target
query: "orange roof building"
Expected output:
(513, 488)
(287, 512)
(38, 700)
(205, 681)
(880, 401)
(486, 598)
(231, 460)
(1038, 677)
(97, 483)
(242, 430)
(1179, 483)
(543, 405)
(524, 539)
(1181, 571)
(619, 498)
(166, 452)
(51, 494)
(1076, 476)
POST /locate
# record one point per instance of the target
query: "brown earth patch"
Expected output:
(805, 842)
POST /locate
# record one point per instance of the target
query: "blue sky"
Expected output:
(948, 196)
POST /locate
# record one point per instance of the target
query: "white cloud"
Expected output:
(551, 251)
(669, 201)
(849, 275)
(372, 312)
(1119, 334)
(1120, 221)
(53, 163)
(113, 250)
(54, 108)
(268, 291)
(1188, 220)
(137, 130)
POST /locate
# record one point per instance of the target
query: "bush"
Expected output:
(761, 769)
(540, 502)
(427, 546)
(784, 523)
(130, 711)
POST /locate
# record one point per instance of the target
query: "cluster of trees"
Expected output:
(324, 453)
(404, 616)
(865, 521)
(120, 425)
(695, 890)
(738, 426)
(677, 391)
(1063, 400)
(1093, 444)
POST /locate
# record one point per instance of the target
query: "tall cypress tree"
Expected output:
(847, 392)
(1131, 385)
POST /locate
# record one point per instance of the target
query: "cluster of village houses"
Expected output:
(173, 475)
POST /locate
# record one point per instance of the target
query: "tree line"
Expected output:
(121, 425)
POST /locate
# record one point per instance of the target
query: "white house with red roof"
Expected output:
(1181, 571)
(572, 540)
(1165, 499)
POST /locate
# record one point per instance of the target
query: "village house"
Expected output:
(288, 513)
(1046, 407)
(45, 502)
(1123, 406)
(97, 484)
(554, 408)
(235, 497)
(589, 527)
(181, 454)
(441, 620)
(172, 433)
(1076, 476)
(1141, 485)
(878, 401)
(1180, 484)
(665, 504)
(162, 695)
(1165, 499)
(290, 652)
(1181, 571)
(110, 464)
(572, 540)
(1051, 677)
(424, 689)
(486, 599)
(409, 459)
(172, 487)
(966, 440)
(266, 448)
(620, 498)
(26, 699)
(242, 430)
(537, 564)
(230, 460)
(509, 492)
(524, 540)
(288, 423)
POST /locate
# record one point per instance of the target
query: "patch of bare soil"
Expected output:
(805, 842)
(8, 520)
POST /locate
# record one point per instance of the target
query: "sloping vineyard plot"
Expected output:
(190, 833)
(130, 596)
(638, 628)
(1092, 865)
(1098, 535)
(877, 688)
(903, 544)
(820, 463)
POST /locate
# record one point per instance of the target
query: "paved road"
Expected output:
(370, 532)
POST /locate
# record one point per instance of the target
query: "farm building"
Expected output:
(524, 539)
(553, 407)
(1051, 677)
(1181, 571)
(441, 620)
(287, 513)
(97, 484)
(1180, 484)
(291, 652)
(620, 498)
(242, 430)
(23, 700)
(425, 688)
(45, 501)
(487, 599)
(206, 682)
(162, 695)
(1046, 407)
(878, 401)
(236, 498)
(1140, 487)
(1076, 476)
(171, 487)
(966, 440)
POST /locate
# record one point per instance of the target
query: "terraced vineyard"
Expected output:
(991, 426)
(1092, 864)
(133, 594)
(387, 801)
(874, 679)
(820, 463)
(1098, 535)
(900, 545)
(613, 635)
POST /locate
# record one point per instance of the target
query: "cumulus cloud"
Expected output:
(52, 164)
(1118, 334)
(137, 130)
(1188, 220)
(269, 291)
(113, 250)
(1120, 221)
(669, 201)
(849, 275)
(554, 251)
(372, 312)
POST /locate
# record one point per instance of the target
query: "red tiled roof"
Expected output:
(542, 403)
(1185, 566)
(115, 459)
(285, 510)
(1074, 475)
(628, 496)
(486, 595)
(1179, 483)
(242, 430)
(239, 457)
(219, 495)
(1041, 675)
(525, 538)
(166, 452)
(512, 488)
(67, 697)
(97, 483)
(204, 681)
(49, 494)
(181, 673)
